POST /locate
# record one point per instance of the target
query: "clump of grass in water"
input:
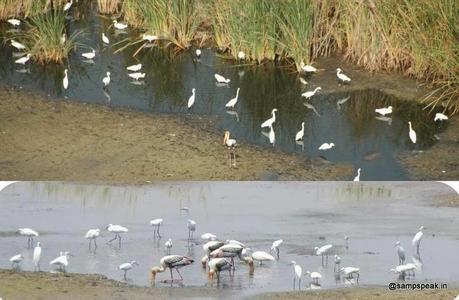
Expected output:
(43, 37)
(108, 6)
(26, 8)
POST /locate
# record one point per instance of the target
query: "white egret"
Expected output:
(119, 26)
(65, 81)
(68, 5)
(349, 273)
(275, 247)
(106, 79)
(168, 245)
(157, 224)
(14, 22)
(117, 230)
(16, 260)
(298, 273)
(341, 76)
(412, 133)
(323, 251)
(171, 262)
(191, 225)
(92, 235)
(62, 261)
(440, 117)
(192, 97)
(105, 39)
(417, 239)
(30, 234)
(36, 257)
(357, 178)
(270, 121)
(233, 101)
(221, 79)
(309, 94)
(127, 266)
(299, 135)
(241, 55)
(137, 75)
(384, 111)
(198, 53)
(272, 136)
(208, 236)
(17, 45)
(405, 269)
(216, 265)
(148, 37)
(262, 256)
(400, 252)
(134, 68)
(315, 276)
(89, 55)
(23, 60)
(326, 146)
(307, 68)
(337, 261)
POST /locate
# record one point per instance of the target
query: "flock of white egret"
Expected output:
(219, 255)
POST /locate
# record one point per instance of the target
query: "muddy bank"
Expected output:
(41, 285)
(49, 140)
(441, 161)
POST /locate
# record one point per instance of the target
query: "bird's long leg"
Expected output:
(294, 280)
(159, 234)
(278, 253)
(95, 245)
(172, 276)
(322, 260)
(326, 257)
(31, 244)
(119, 241)
(232, 263)
(181, 278)
(299, 283)
(358, 275)
(125, 274)
(218, 277)
(116, 236)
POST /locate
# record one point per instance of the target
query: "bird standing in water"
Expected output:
(171, 262)
(231, 145)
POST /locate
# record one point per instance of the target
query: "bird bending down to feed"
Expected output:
(106, 79)
(241, 55)
(117, 230)
(326, 146)
(235, 242)
(208, 236)
(384, 111)
(276, 247)
(127, 266)
(191, 225)
(16, 260)
(198, 53)
(417, 239)
(134, 68)
(440, 117)
(228, 250)
(119, 26)
(168, 245)
(221, 79)
(262, 256)
(407, 269)
(171, 262)
(192, 97)
(137, 75)
(268, 123)
(30, 234)
(105, 39)
(298, 272)
(299, 135)
(23, 60)
(315, 276)
(216, 265)
(323, 251)
(149, 37)
(412, 133)
(62, 261)
(307, 68)
(36, 257)
(14, 22)
(65, 81)
(157, 224)
(309, 94)
(211, 246)
(17, 45)
(400, 252)
(233, 101)
(89, 55)
(357, 178)
(342, 77)
(231, 145)
(350, 272)
(92, 235)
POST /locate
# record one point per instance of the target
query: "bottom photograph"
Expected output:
(265, 240)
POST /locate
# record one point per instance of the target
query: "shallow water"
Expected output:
(360, 138)
(373, 215)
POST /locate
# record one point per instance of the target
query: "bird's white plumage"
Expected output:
(349, 270)
(119, 25)
(68, 5)
(116, 228)
(106, 79)
(233, 101)
(28, 232)
(92, 234)
(326, 146)
(156, 222)
(272, 135)
(89, 55)
(309, 94)
(241, 55)
(208, 236)
(323, 250)
(61, 260)
(341, 76)
(149, 37)
(357, 178)
(234, 242)
(192, 98)
(270, 121)
(17, 258)
(221, 79)
(418, 237)
(276, 244)
(14, 22)
(105, 39)
(137, 75)
(23, 59)
(17, 45)
(37, 255)
(262, 256)
(65, 81)
(134, 68)
(307, 68)
(299, 135)
(198, 52)
(404, 268)
(440, 117)
(384, 111)
(412, 133)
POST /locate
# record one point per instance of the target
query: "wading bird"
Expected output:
(221, 79)
(149, 37)
(117, 230)
(127, 266)
(350, 272)
(157, 224)
(272, 136)
(315, 276)
(228, 250)
(23, 60)
(417, 239)
(216, 265)
(241, 55)
(191, 225)
(231, 145)
(233, 101)
(412, 133)
(342, 77)
(106, 79)
(198, 53)
(137, 75)
(276, 247)
(65, 81)
(208, 236)
(168, 245)
(211, 246)
(235, 242)
(303, 81)
(307, 68)
(92, 235)
(337, 261)
(171, 262)
(440, 117)
(298, 273)
(268, 123)
(30, 234)
(192, 97)
(105, 39)
(16, 260)
(62, 261)
(14, 22)
(400, 252)
(36, 257)
(309, 94)
(323, 251)
(68, 5)
(326, 146)
(357, 178)
(262, 256)
(119, 26)
(89, 55)
(63, 38)
(134, 68)
(299, 135)
(17, 45)
(384, 111)
(403, 270)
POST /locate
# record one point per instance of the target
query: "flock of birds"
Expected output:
(219, 256)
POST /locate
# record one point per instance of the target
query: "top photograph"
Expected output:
(128, 91)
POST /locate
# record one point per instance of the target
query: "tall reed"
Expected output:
(108, 6)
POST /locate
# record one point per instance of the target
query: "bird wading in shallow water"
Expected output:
(172, 262)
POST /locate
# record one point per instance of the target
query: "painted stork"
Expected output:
(171, 262)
